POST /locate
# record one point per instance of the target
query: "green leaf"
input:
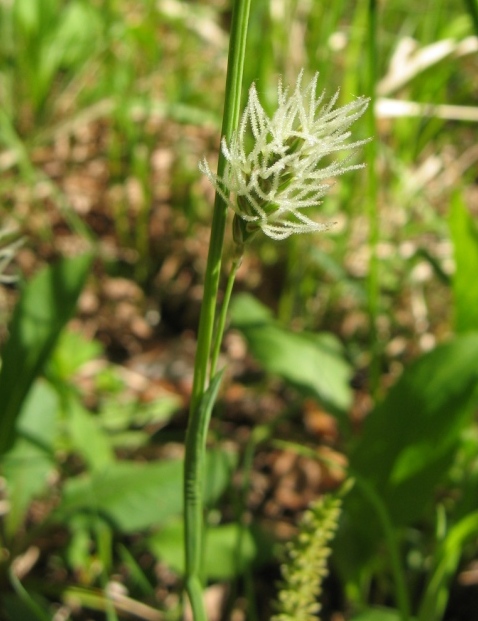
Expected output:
(378, 614)
(87, 437)
(446, 559)
(230, 549)
(464, 234)
(79, 550)
(407, 445)
(77, 33)
(29, 464)
(246, 311)
(410, 437)
(118, 415)
(27, 16)
(46, 304)
(135, 496)
(168, 545)
(72, 352)
(312, 363)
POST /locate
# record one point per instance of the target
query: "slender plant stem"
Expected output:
(372, 196)
(35, 609)
(221, 324)
(202, 399)
(194, 468)
(232, 105)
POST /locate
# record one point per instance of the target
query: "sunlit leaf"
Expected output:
(407, 445)
(47, 303)
(464, 232)
(29, 464)
(230, 549)
(313, 363)
(133, 496)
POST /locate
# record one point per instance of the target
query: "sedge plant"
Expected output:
(270, 170)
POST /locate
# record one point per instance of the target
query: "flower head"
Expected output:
(269, 181)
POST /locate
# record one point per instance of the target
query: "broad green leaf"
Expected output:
(464, 232)
(134, 496)
(407, 445)
(118, 415)
(29, 464)
(45, 306)
(167, 544)
(313, 363)
(247, 311)
(87, 437)
(410, 437)
(71, 352)
(229, 549)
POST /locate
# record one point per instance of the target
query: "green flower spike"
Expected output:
(306, 564)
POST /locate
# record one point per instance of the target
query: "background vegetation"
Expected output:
(352, 351)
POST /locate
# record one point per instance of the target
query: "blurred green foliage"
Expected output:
(150, 76)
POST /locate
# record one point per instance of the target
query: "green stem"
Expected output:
(221, 324)
(232, 104)
(194, 468)
(202, 400)
(194, 588)
(35, 609)
(372, 195)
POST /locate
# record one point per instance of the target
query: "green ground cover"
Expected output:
(351, 355)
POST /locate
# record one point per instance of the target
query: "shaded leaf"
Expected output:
(378, 614)
(446, 559)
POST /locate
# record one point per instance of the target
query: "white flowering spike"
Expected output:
(269, 181)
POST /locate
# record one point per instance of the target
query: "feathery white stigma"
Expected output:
(269, 181)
